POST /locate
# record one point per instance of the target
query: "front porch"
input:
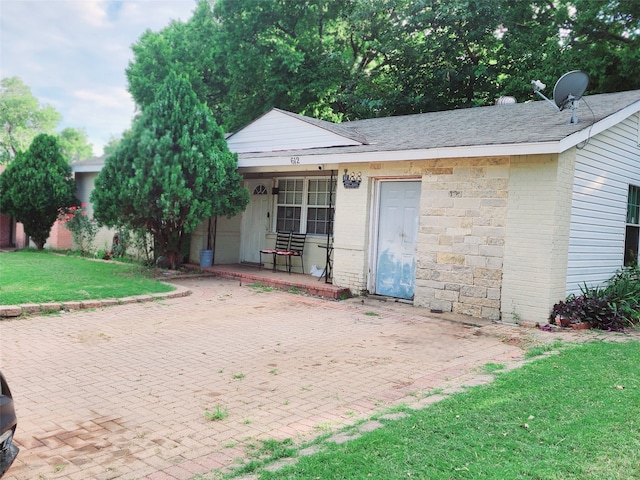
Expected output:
(282, 280)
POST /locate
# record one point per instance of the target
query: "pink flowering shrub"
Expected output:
(83, 228)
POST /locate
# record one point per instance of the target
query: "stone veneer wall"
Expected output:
(461, 239)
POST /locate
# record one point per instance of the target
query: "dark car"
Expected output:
(8, 422)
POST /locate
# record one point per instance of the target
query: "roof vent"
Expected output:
(506, 101)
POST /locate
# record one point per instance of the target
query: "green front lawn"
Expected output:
(40, 276)
(573, 415)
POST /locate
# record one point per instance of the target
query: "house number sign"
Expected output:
(295, 160)
(351, 180)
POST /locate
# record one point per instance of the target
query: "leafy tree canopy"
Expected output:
(36, 185)
(112, 145)
(170, 171)
(75, 145)
(365, 58)
(23, 118)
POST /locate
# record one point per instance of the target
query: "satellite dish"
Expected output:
(568, 91)
(569, 88)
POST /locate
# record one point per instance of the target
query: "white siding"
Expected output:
(604, 169)
(276, 131)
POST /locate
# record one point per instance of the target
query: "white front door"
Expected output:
(395, 267)
(255, 223)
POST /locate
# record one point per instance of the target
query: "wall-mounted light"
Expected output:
(351, 180)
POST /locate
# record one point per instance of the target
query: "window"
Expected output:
(319, 215)
(632, 234)
(260, 190)
(305, 202)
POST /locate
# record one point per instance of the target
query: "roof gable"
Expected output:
(278, 130)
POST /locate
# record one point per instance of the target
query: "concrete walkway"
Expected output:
(121, 392)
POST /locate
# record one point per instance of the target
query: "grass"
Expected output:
(268, 449)
(542, 349)
(30, 276)
(573, 415)
(493, 367)
(219, 412)
(260, 288)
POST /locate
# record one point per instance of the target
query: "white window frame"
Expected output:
(632, 221)
(304, 206)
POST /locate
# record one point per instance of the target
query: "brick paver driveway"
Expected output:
(122, 392)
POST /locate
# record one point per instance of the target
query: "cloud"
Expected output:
(73, 54)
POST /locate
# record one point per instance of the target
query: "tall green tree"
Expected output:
(365, 58)
(75, 145)
(191, 48)
(244, 57)
(22, 118)
(603, 38)
(36, 185)
(543, 39)
(171, 171)
(112, 145)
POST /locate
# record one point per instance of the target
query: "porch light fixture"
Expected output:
(351, 180)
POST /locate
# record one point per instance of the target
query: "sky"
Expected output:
(73, 55)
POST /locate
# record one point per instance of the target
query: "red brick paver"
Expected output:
(121, 392)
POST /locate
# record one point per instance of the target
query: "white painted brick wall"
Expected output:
(351, 230)
(535, 251)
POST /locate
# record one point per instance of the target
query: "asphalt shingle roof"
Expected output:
(520, 123)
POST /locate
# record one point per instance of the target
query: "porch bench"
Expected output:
(295, 249)
(282, 244)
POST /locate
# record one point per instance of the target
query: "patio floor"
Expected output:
(248, 273)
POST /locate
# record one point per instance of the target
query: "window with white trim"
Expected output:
(632, 234)
(303, 205)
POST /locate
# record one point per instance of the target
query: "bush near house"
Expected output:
(614, 306)
(35, 185)
(171, 171)
(82, 227)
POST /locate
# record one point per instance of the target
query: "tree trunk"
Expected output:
(175, 260)
(170, 245)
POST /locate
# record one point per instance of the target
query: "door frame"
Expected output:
(251, 184)
(374, 225)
